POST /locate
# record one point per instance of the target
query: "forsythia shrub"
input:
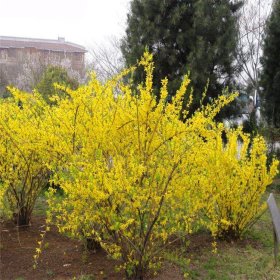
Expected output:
(134, 176)
(23, 173)
(124, 164)
(233, 177)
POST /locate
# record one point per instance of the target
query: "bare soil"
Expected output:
(62, 258)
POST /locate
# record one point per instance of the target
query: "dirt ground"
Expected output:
(62, 258)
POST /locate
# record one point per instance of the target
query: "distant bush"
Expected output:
(55, 75)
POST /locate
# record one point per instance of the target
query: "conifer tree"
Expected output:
(199, 36)
(270, 78)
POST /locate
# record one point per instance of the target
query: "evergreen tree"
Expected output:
(270, 78)
(199, 36)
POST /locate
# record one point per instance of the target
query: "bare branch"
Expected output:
(252, 22)
(107, 60)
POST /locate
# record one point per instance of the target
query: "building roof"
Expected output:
(59, 45)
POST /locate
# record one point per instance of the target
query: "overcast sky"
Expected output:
(84, 22)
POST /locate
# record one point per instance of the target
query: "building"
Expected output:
(32, 55)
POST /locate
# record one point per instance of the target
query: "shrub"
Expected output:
(124, 165)
(134, 171)
(23, 173)
(52, 75)
(233, 177)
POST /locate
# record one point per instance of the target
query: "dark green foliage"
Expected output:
(251, 126)
(214, 46)
(199, 36)
(165, 27)
(272, 136)
(55, 74)
(270, 78)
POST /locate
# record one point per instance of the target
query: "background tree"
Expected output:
(106, 60)
(28, 72)
(270, 78)
(192, 35)
(252, 22)
(214, 46)
(55, 74)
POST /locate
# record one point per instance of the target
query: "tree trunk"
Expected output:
(137, 275)
(23, 217)
(92, 245)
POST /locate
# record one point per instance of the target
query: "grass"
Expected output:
(41, 206)
(251, 258)
(85, 277)
(49, 273)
